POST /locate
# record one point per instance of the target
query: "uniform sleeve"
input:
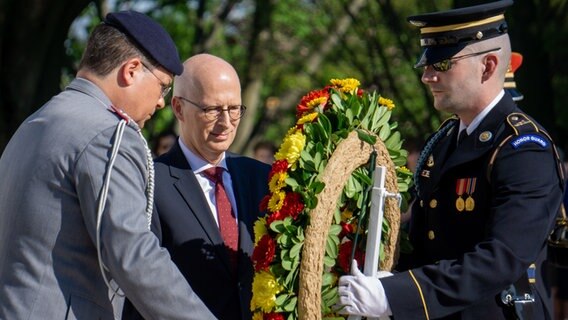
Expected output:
(143, 270)
(526, 196)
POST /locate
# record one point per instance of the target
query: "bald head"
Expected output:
(207, 103)
(205, 73)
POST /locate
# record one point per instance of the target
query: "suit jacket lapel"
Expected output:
(243, 204)
(190, 191)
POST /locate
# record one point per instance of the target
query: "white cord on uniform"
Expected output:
(102, 202)
(104, 193)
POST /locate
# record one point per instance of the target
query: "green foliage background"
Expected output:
(281, 50)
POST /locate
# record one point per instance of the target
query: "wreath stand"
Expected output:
(349, 154)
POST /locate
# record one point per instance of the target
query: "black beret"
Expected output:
(149, 35)
(445, 33)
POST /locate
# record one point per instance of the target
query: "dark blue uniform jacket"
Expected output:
(475, 229)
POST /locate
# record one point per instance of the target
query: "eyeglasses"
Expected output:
(165, 87)
(446, 64)
(214, 112)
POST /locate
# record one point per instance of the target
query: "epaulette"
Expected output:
(121, 114)
(522, 124)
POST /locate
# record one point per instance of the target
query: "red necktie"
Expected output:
(225, 214)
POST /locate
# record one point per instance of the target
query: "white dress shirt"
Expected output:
(198, 165)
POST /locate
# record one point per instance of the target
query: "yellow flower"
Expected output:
(346, 214)
(291, 147)
(348, 85)
(264, 290)
(276, 201)
(257, 316)
(317, 102)
(259, 229)
(404, 169)
(277, 181)
(307, 118)
(386, 102)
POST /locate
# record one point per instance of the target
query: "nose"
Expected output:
(429, 75)
(161, 103)
(224, 118)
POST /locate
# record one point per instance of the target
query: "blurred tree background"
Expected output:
(281, 50)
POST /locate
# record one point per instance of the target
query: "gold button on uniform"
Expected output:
(431, 235)
(433, 203)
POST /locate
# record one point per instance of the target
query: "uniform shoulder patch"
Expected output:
(528, 138)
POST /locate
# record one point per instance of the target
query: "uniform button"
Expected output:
(433, 203)
(431, 235)
(421, 203)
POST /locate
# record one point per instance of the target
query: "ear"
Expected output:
(177, 107)
(490, 62)
(129, 70)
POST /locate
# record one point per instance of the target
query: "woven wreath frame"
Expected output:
(350, 154)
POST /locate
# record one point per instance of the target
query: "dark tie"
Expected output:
(225, 214)
(462, 136)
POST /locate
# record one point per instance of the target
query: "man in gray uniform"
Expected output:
(76, 195)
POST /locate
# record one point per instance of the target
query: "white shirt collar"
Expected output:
(477, 120)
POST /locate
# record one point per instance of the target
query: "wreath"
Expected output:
(317, 213)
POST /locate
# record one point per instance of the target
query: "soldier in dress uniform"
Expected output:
(486, 202)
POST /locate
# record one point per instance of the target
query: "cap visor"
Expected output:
(436, 54)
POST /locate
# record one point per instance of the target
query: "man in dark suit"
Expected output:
(192, 225)
(488, 184)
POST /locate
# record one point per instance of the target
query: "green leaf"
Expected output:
(349, 115)
(278, 226)
(335, 229)
(292, 182)
(296, 249)
(328, 262)
(327, 279)
(280, 299)
(393, 140)
(331, 247)
(317, 186)
(364, 136)
(290, 304)
(384, 133)
(325, 123)
(337, 100)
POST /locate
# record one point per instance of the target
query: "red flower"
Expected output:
(293, 205)
(263, 253)
(344, 257)
(346, 228)
(311, 100)
(360, 92)
(263, 206)
(278, 166)
(273, 316)
(275, 216)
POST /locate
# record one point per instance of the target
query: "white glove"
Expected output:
(361, 295)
